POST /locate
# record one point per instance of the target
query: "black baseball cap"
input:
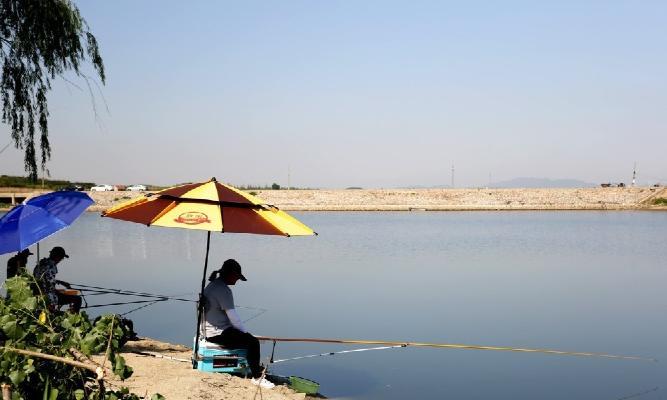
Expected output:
(26, 252)
(58, 251)
(232, 266)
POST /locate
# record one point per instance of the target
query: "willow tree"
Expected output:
(40, 41)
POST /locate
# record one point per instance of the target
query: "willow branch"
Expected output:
(97, 370)
(86, 360)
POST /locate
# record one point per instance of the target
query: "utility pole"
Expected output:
(634, 174)
(288, 177)
(452, 176)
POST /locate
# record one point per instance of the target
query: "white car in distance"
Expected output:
(136, 188)
(101, 188)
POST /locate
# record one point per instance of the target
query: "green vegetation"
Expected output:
(660, 201)
(40, 40)
(273, 186)
(22, 182)
(27, 325)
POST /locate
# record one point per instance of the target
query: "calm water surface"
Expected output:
(583, 281)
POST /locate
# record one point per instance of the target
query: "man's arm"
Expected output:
(235, 319)
(67, 285)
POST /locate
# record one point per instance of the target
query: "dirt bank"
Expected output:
(178, 381)
(441, 199)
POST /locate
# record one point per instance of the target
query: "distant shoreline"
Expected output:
(547, 199)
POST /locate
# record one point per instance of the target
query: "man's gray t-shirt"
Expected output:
(218, 299)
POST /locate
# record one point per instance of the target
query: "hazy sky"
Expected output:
(366, 93)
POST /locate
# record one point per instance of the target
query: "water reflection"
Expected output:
(104, 242)
(137, 243)
(581, 281)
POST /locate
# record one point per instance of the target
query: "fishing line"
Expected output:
(333, 353)
(640, 394)
(139, 308)
(260, 312)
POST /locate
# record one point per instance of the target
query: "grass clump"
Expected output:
(660, 201)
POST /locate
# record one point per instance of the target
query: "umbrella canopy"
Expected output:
(209, 206)
(40, 217)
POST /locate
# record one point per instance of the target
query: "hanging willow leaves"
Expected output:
(39, 41)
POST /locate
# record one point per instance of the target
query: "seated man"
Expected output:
(45, 274)
(16, 265)
(222, 323)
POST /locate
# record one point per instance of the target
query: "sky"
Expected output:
(374, 94)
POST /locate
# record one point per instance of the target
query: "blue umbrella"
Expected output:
(40, 217)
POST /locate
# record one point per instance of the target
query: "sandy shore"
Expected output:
(178, 381)
(439, 199)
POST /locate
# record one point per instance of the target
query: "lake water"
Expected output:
(582, 281)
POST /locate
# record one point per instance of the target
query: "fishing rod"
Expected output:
(120, 290)
(124, 303)
(98, 290)
(160, 355)
(456, 346)
(333, 353)
(103, 290)
(93, 292)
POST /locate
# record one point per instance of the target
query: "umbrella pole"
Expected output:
(200, 303)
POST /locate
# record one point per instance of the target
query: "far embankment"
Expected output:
(629, 198)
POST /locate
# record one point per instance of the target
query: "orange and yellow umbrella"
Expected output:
(209, 206)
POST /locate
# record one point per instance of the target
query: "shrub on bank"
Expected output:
(660, 201)
(30, 333)
(23, 182)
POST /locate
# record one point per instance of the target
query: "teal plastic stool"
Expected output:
(213, 357)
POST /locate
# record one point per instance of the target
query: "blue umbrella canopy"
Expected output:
(40, 217)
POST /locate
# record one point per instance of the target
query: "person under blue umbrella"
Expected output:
(45, 273)
(16, 265)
